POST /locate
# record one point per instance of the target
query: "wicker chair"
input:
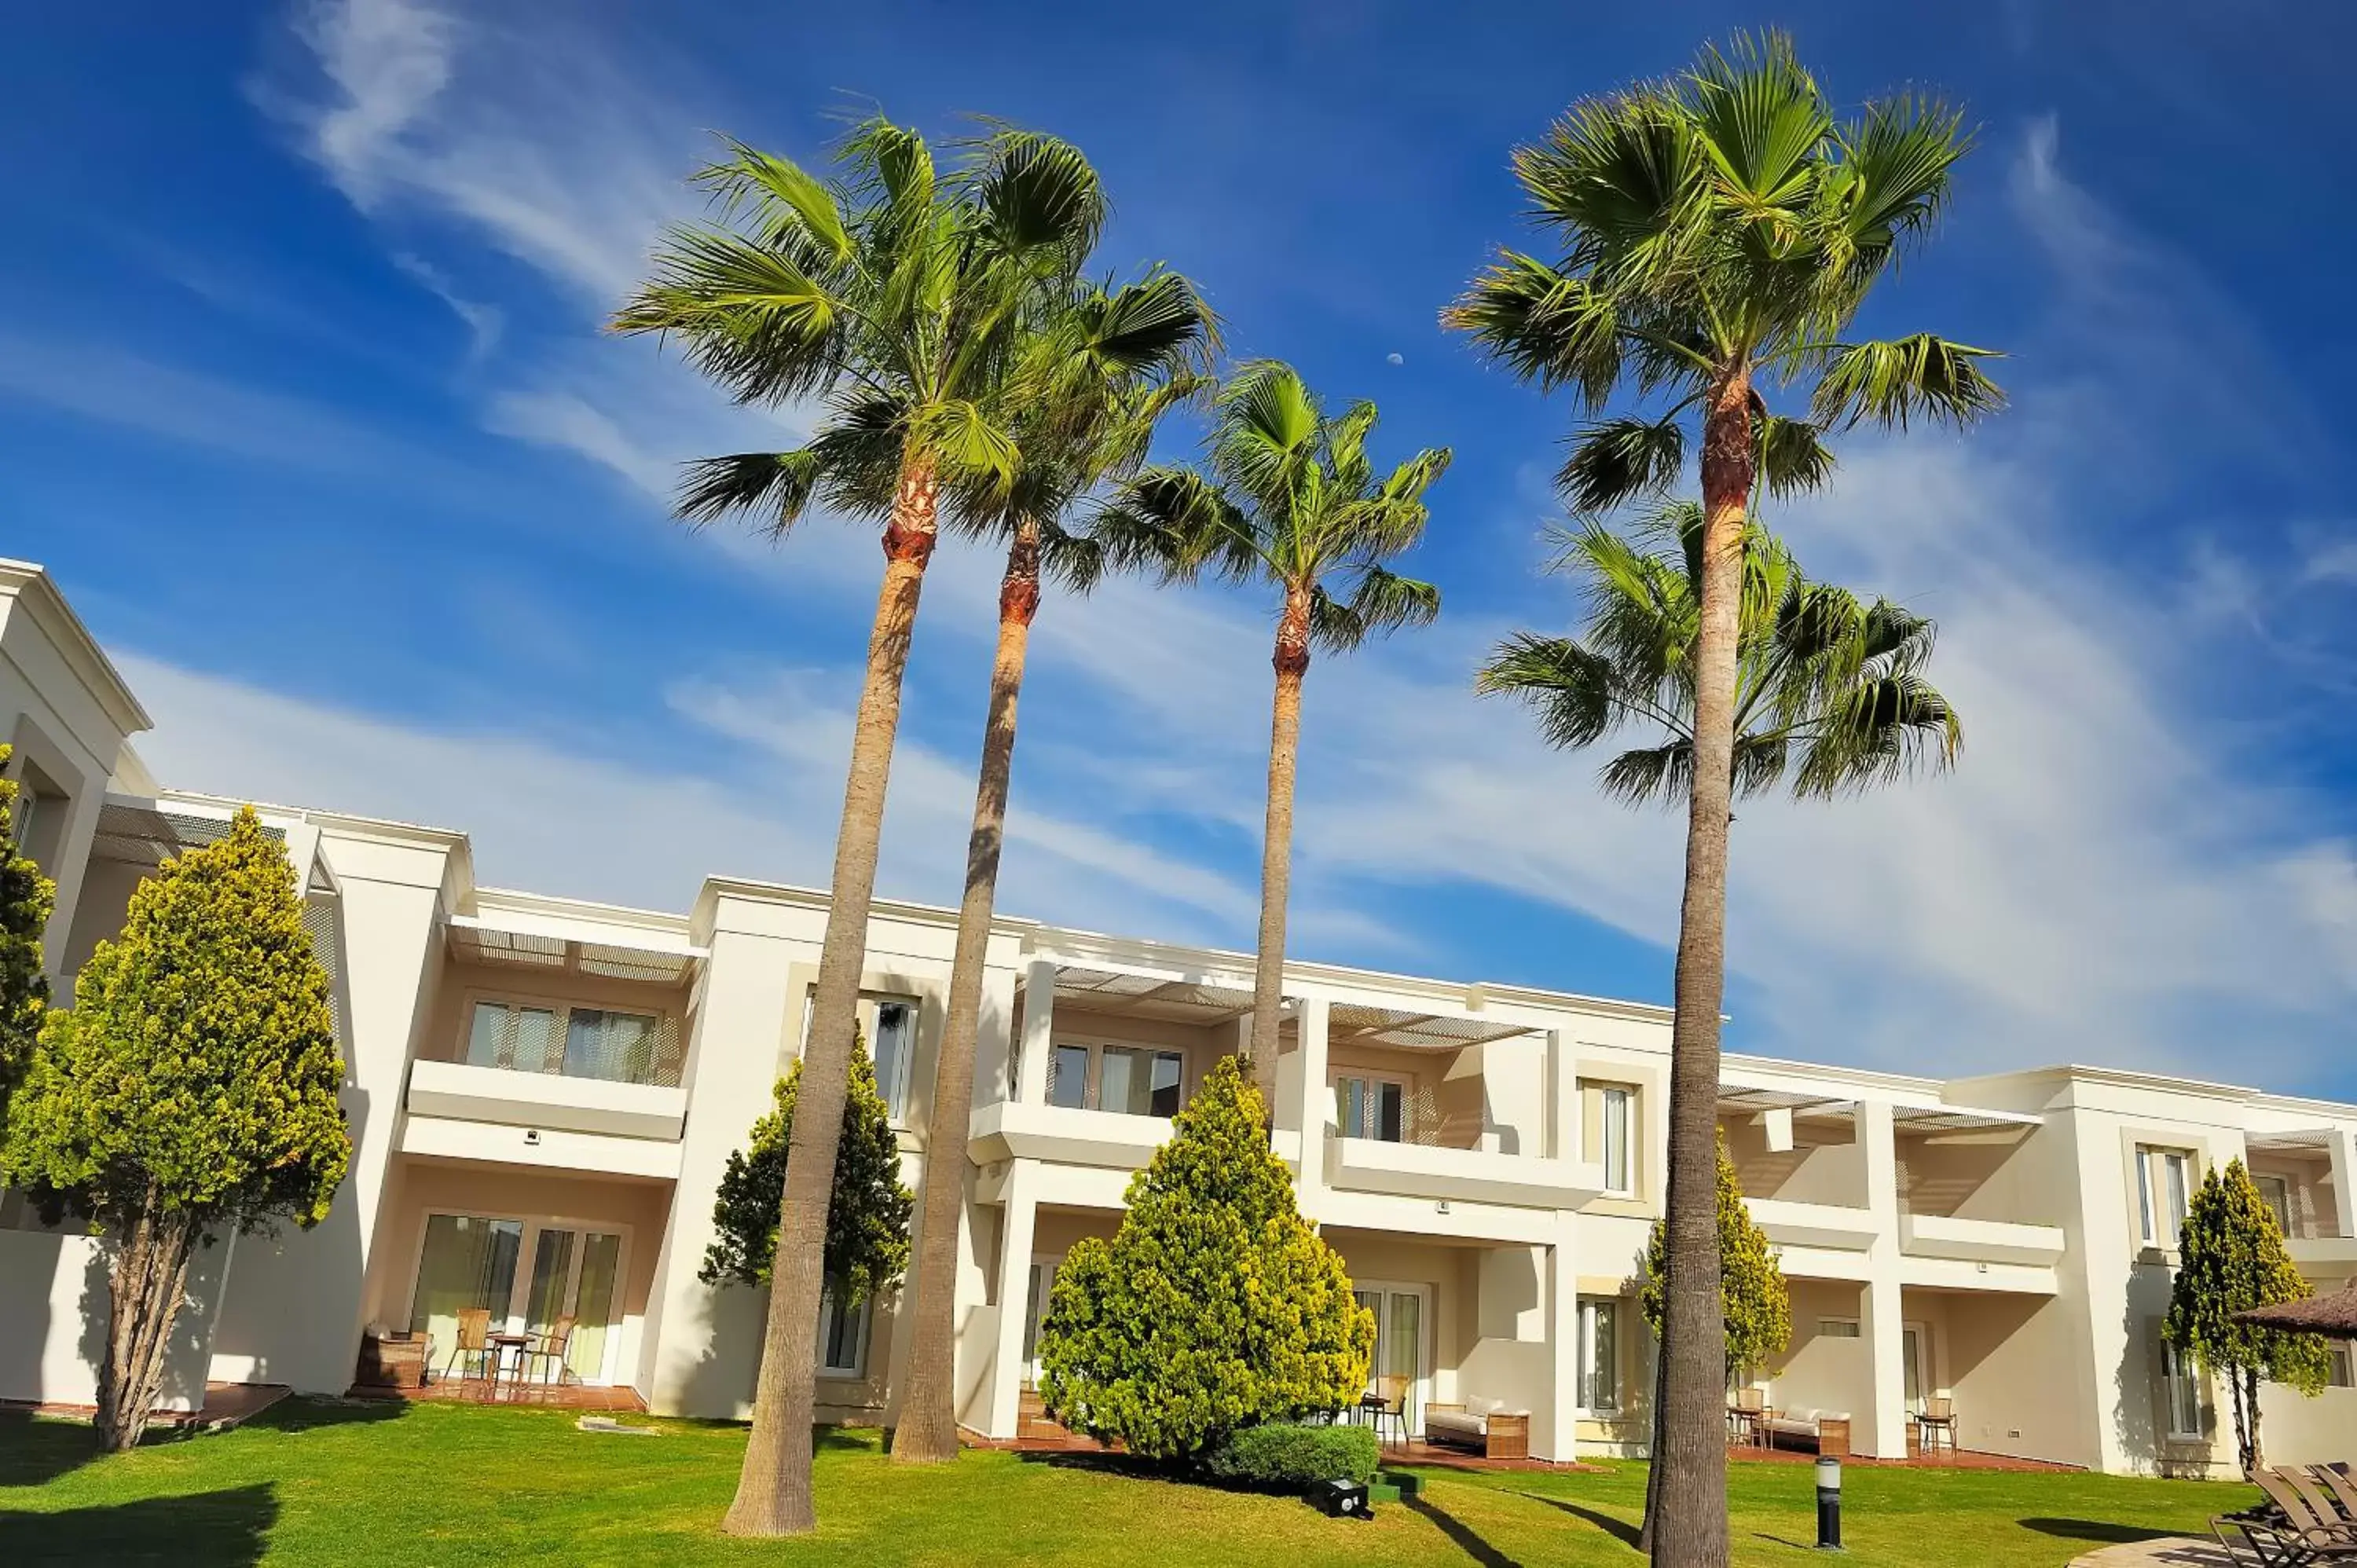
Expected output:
(1938, 1421)
(474, 1341)
(552, 1348)
(1747, 1416)
(1388, 1403)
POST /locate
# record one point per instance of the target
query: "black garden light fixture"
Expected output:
(1340, 1500)
(1829, 1502)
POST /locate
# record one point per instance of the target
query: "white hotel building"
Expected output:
(542, 1094)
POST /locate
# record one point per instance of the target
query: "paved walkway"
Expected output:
(2169, 1551)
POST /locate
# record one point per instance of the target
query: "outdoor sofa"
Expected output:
(1828, 1428)
(1480, 1425)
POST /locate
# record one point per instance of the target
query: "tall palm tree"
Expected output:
(1720, 231)
(896, 294)
(1290, 499)
(1829, 690)
(1104, 366)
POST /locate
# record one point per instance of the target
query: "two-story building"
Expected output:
(543, 1094)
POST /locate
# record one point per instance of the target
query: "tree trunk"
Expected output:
(2246, 1409)
(144, 1289)
(1690, 1524)
(1654, 1454)
(773, 1491)
(1291, 662)
(928, 1428)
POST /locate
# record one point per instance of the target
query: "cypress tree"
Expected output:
(1214, 1306)
(2233, 1258)
(867, 1219)
(188, 1094)
(1753, 1298)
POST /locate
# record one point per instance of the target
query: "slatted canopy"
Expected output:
(1150, 995)
(1358, 1023)
(145, 834)
(619, 957)
(2296, 1141)
(1929, 1118)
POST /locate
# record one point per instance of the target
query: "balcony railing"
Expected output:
(1475, 1176)
(458, 1093)
(1822, 1225)
(1979, 1240)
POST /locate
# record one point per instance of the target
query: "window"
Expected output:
(1836, 1327)
(578, 1042)
(1599, 1354)
(842, 1335)
(1134, 1081)
(1371, 1108)
(2164, 1181)
(1620, 1103)
(2342, 1373)
(2277, 1192)
(2183, 1383)
(888, 1027)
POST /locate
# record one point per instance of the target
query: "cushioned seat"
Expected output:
(1484, 1425)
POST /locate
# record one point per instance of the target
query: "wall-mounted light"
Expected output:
(1441, 1207)
(531, 1135)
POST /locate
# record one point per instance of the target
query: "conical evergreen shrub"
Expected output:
(1214, 1307)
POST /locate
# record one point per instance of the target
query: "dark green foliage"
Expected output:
(1215, 1307)
(1753, 1298)
(1287, 1456)
(867, 1219)
(25, 899)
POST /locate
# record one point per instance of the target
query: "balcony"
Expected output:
(2309, 1253)
(1825, 1226)
(1979, 1240)
(1475, 1176)
(455, 1092)
(1114, 1140)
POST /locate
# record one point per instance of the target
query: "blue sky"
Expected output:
(302, 398)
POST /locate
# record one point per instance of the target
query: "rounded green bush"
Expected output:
(1288, 1456)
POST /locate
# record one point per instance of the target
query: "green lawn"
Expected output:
(328, 1483)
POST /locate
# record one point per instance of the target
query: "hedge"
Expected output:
(1287, 1456)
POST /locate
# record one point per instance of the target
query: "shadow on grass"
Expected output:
(202, 1529)
(1620, 1530)
(1462, 1535)
(2094, 1530)
(297, 1413)
(35, 1453)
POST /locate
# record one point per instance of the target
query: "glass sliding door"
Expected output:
(467, 1263)
(1400, 1316)
(472, 1262)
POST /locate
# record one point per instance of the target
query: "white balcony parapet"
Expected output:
(2329, 1251)
(1979, 1240)
(1066, 1134)
(455, 1092)
(1475, 1176)
(1826, 1225)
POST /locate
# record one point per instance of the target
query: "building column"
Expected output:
(1555, 1422)
(1881, 1431)
(1563, 1099)
(1038, 1037)
(1017, 1208)
(1311, 1101)
(2344, 1180)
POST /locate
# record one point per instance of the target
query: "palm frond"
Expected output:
(748, 317)
(1894, 381)
(1574, 693)
(1545, 327)
(1040, 194)
(1647, 774)
(778, 485)
(788, 202)
(1614, 461)
(1380, 601)
(1794, 458)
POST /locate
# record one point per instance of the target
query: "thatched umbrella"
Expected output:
(2333, 1316)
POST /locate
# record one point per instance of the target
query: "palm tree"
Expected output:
(896, 295)
(1290, 499)
(1104, 366)
(1720, 231)
(1818, 674)
(1829, 690)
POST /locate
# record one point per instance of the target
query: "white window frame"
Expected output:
(1840, 1329)
(1592, 1308)
(527, 1244)
(1096, 1046)
(1337, 1076)
(2341, 1361)
(563, 1007)
(2273, 1188)
(1617, 1114)
(2155, 1164)
(2180, 1381)
(869, 1014)
(864, 1316)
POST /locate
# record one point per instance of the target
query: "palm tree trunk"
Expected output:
(1291, 662)
(773, 1491)
(1690, 1524)
(928, 1428)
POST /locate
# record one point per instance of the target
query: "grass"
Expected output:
(324, 1483)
